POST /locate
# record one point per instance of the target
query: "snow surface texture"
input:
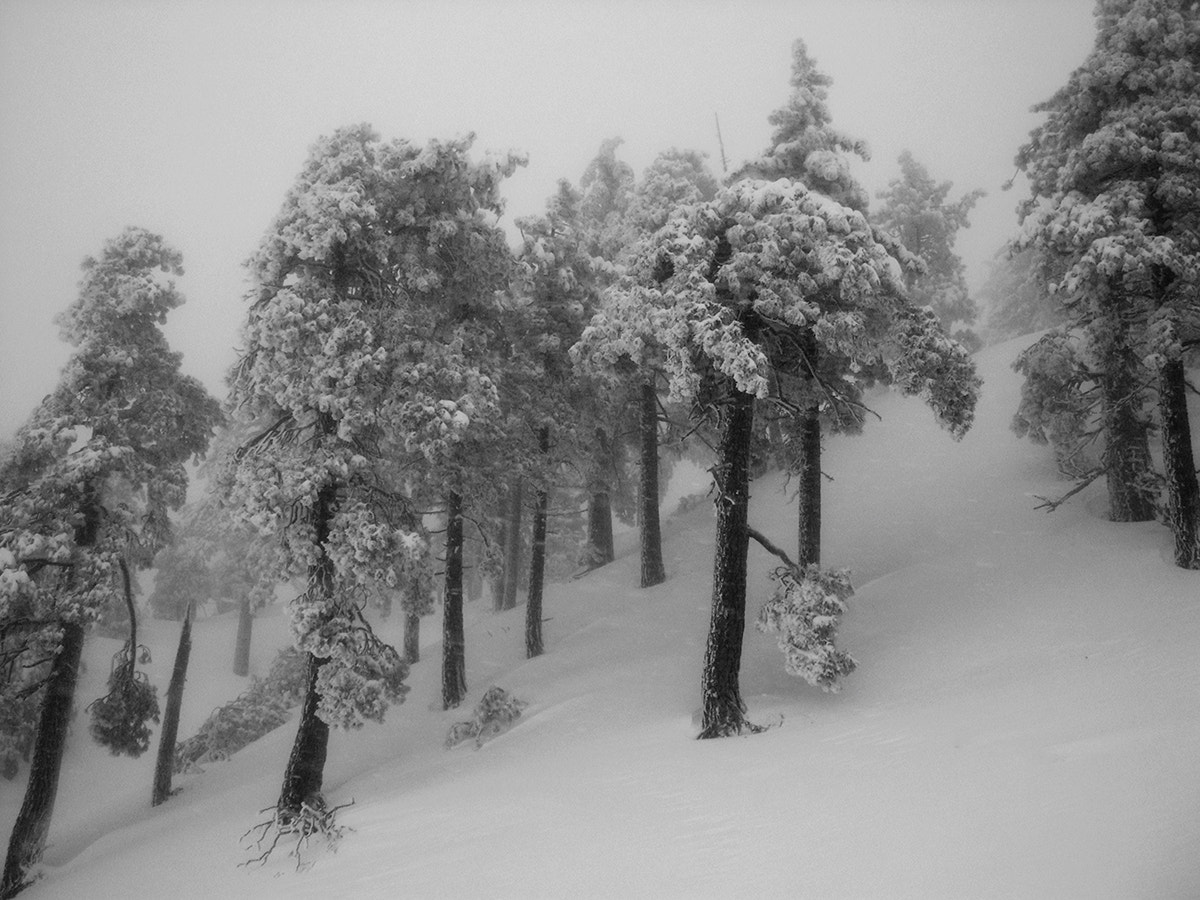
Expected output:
(1023, 722)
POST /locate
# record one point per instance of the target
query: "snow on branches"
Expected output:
(804, 610)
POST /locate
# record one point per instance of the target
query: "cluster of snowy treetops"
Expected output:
(413, 394)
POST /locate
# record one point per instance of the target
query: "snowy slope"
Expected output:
(1023, 722)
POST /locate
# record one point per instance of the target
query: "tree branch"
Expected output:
(1052, 505)
(770, 547)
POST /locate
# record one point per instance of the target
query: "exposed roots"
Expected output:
(313, 820)
(730, 729)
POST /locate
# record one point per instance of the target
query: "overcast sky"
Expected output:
(193, 118)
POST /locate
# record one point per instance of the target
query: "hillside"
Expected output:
(1023, 722)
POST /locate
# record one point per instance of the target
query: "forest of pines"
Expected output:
(426, 407)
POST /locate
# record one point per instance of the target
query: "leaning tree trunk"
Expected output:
(28, 840)
(723, 710)
(1183, 492)
(512, 549)
(241, 648)
(305, 770)
(1127, 449)
(164, 766)
(454, 658)
(306, 766)
(651, 532)
(537, 563)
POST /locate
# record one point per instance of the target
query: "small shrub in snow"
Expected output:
(494, 714)
(804, 612)
(265, 706)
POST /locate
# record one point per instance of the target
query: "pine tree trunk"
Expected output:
(600, 531)
(164, 766)
(537, 564)
(28, 840)
(454, 659)
(1127, 449)
(305, 770)
(1183, 492)
(809, 497)
(412, 638)
(241, 649)
(651, 532)
(501, 579)
(723, 710)
(512, 551)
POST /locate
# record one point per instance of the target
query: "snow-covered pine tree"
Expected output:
(916, 212)
(1115, 176)
(820, 380)
(607, 185)
(356, 364)
(1014, 299)
(86, 495)
(620, 344)
(746, 274)
(560, 287)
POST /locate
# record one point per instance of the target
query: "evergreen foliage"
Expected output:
(86, 493)
(804, 610)
(262, 708)
(494, 714)
(917, 212)
(1115, 176)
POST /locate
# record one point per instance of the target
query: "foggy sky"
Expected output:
(193, 118)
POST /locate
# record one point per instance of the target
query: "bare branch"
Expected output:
(1052, 505)
(770, 547)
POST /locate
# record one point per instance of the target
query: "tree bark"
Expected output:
(28, 840)
(305, 770)
(651, 532)
(537, 563)
(454, 660)
(412, 638)
(241, 649)
(1183, 492)
(164, 766)
(809, 433)
(723, 709)
(512, 550)
(600, 532)
(1127, 449)
(809, 497)
(501, 579)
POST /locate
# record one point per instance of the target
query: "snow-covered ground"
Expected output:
(1023, 722)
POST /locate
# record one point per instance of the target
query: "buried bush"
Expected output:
(494, 714)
